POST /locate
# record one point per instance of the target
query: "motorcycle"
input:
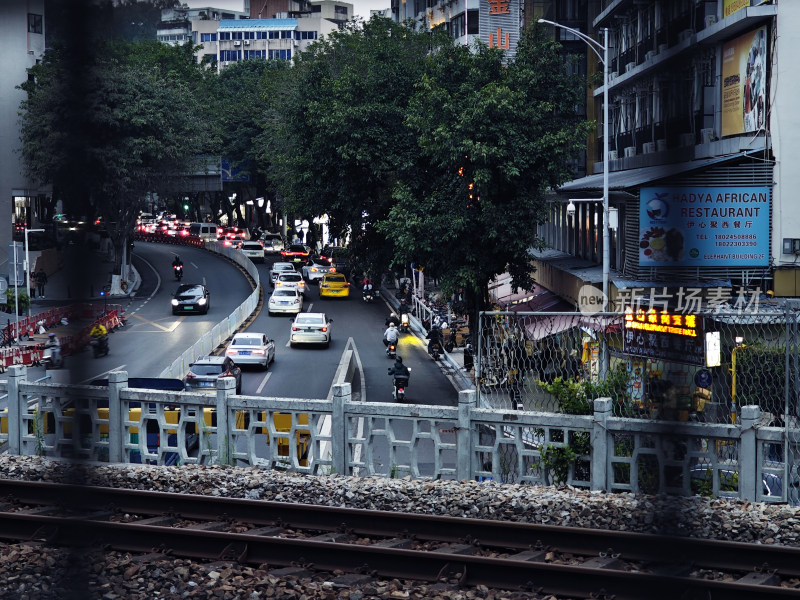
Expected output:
(404, 322)
(399, 385)
(178, 269)
(368, 295)
(391, 350)
(99, 346)
(52, 357)
(435, 350)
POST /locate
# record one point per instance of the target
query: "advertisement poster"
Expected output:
(700, 226)
(744, 83)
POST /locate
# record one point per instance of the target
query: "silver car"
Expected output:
(311, 328)
(272, 242)
(285, 300)
(253, 250)
(291, 280)
(277, 269)
(251, 349)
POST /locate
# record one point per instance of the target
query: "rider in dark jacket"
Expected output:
(435, 337)
(399, 369)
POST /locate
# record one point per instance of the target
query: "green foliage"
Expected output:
(22, 300)
(556, 462)
(761, 376)
(576, 397)
(704, 485)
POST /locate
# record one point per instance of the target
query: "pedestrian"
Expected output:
(41, 281)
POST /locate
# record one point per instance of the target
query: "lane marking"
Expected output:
(263, 383)
(169, 329)
(99, 375)
(155, 290)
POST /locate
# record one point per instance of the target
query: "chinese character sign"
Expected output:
(499, 24)
(704, 226)
(664, 335)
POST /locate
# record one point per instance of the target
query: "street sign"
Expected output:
(16, 258)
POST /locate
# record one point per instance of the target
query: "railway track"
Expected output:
(563, 561)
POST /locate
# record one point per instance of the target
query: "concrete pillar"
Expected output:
(226, 386)
(466, 402)
(342, 395)
(17, 406)
(601, 442)
(748, 453)
(117, 380)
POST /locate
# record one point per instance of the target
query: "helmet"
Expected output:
(402, 301)
(51, 334)
(399, 359)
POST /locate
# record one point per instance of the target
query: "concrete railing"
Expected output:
(336, 435)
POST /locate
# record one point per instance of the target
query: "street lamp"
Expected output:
(28, 263)
(596, 47)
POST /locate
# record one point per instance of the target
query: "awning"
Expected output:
(631, 178)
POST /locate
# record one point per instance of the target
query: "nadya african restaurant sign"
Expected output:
(704, 226)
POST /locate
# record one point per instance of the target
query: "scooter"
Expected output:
(399, 385)
(52, 357)
(435, 351)
(391, 350)
(99, 346)
(178, 269)
(404, 322)
(368, 295)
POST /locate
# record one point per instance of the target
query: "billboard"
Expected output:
(731, 6)
(704, 226)
(744, 83)
(660, 334)
(499, 24)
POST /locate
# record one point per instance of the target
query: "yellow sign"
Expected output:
(731, 6)
(662, 322)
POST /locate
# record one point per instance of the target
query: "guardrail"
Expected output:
(224, 329)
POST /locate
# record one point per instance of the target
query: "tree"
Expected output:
(106, 136)
(337, 138)
(493, 138)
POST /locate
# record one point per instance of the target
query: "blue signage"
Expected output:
(232, 172)
(704, 226)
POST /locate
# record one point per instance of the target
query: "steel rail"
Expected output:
(385, 562)
(712, 554)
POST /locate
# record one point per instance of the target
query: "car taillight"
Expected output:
(323, 329)
(314, 269)
(332, 270)
(230, 351)
(190, 375)
(294, 328)
(257, 352)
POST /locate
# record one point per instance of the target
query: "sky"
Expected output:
(361, 8)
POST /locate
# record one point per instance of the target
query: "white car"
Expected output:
(316, 268)
(311, 328)
(273, 243)
(253, 250)
(251, 349)
(277, 269)
(285, 300)
(291, 280)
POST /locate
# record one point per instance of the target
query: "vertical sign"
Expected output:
(744, 83)
(500, 24)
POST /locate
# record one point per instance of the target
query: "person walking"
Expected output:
(41, 281)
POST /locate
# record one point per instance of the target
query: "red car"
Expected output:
(295, 253)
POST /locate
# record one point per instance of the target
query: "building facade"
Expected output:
(22, 29)
(700, 126)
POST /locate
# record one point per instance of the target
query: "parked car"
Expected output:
(311, 328)
(251, 349)
(292, 279)
(277, 269)
(191, 297)
(273, 243)
(205, 371)
(253, 250)
(334, 285)
(295, 253)
(285, 300)
(315, 268)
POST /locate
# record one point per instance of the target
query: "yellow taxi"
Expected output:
(334, 285)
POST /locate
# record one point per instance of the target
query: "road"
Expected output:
(153, 337)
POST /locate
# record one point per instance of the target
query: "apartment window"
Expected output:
(458, 26)
(236, 35)
(34, 23)
(251, 54)
(473, 22)
(230, 55)
(340, 11)
(306, 35)
(225, 35)
(274, 35)
(208, 37)
(249, 35)
(280, 55)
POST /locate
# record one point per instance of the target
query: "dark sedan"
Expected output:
(296, 253)
(205, 371)
(191, 298)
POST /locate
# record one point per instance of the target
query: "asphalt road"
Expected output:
(154, 337)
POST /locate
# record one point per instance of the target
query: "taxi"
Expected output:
(334, 285)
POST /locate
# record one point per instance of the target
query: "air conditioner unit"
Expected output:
(662, 48)
(612, 155)
(247, 42)
(629, 66)
(791, 246)
(613, 75)
(707, 136)
(685, 34)
(710, 20)
(661, 145)
(687, 139)
(650, 55)
(237, 43)
(630, 151)
(648, 147)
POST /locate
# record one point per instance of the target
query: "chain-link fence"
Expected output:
(653, 365)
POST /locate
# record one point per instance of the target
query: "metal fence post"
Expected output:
(748, 453)
(466, 402)
(116, 434)
(16, 408)
(226, 386)
(600, 444)
(342, 395)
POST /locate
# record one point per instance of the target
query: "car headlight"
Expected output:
(202, 301)
(174, 302)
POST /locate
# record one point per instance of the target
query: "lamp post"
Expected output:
(28, 263)
(596, 47)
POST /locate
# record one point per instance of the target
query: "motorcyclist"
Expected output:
(367, 285)
(391, 335)
(177, 262)
(98, 331)
(392, 318)
(404, 307)
(54, 345)
(399, 370)
(52, 341)
(434, 337)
